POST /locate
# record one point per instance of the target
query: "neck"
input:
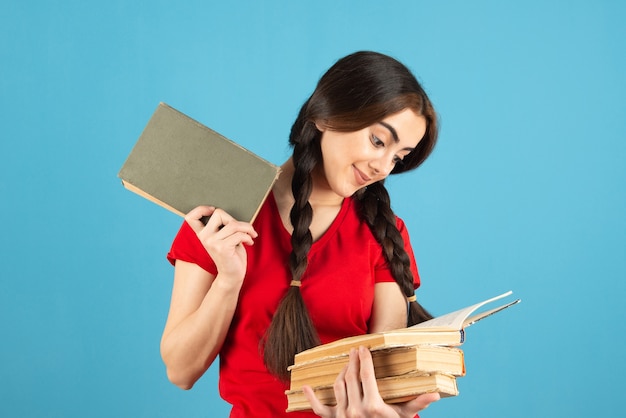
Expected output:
(321, 195)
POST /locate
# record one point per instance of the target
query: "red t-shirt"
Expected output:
(337, 288)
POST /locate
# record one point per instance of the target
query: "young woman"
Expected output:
(326, 257)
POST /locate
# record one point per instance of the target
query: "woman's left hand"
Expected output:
(357, 393)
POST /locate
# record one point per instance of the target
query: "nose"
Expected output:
(381, 167)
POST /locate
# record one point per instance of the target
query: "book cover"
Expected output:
(180, 164)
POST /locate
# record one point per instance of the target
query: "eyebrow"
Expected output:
(392, 130)
(396, 139)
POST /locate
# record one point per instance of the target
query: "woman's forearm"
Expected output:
(193, 337)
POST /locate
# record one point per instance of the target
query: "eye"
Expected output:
(376, 141)
(397, 160)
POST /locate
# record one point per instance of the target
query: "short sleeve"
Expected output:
(383, 274)
(187, 247)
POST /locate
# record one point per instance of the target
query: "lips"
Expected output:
(360, 177)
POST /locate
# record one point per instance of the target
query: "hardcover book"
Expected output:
(392, 361)
(180, 164)
(392, 389)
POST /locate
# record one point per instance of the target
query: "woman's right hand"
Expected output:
(357, 395)
(224, 238)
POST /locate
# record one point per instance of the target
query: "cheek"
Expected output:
(332, 153)
(342, 150)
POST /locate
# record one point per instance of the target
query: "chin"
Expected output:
(345, 193)
(346, 189)
(355, 192)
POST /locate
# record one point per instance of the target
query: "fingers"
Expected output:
(354, 388)
(363, 396)
(224, 228)
(367, 374)
(218, 220)
(341, 398)
(195, 216)
(319, 408)
(339, 387)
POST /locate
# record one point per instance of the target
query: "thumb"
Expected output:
(423, 401)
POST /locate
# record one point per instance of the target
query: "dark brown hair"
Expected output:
(359, 90)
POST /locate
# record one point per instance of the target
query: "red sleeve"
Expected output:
(383, 274)
(187, 247)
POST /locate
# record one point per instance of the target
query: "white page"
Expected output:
(456, 320)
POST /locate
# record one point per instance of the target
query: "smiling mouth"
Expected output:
(360, 177)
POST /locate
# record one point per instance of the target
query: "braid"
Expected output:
(376, 210)
(357, 91)
(292, 330)
(301, 213)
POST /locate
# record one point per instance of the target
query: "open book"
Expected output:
(446, 330)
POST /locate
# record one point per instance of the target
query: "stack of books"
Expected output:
(408, 362)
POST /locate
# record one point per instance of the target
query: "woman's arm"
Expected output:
(390, 308)
(203, 305)
(201, 310)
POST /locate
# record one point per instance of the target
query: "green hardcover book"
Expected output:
(179, 164)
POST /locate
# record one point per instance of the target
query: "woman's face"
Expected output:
(353, 160)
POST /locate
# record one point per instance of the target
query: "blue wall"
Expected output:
(526, 190)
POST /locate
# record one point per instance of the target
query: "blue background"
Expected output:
(525, 191)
